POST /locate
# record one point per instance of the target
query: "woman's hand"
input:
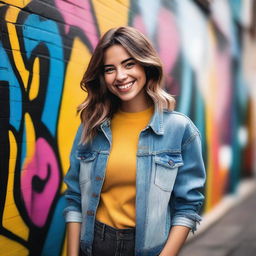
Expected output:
(176, 239)
(73, 238)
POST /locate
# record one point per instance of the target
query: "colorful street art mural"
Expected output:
(45, 46)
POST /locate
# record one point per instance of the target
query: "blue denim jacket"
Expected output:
(169, 180)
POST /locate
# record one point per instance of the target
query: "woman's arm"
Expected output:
(72, 212)
(176, 239)
(187, 196)
(73, 238)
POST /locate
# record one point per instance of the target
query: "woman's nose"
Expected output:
(121, 75)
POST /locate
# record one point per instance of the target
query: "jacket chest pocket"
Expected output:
(166, 168)
(86, 165)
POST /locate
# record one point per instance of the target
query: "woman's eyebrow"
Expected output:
(127, 60)
(122, 62)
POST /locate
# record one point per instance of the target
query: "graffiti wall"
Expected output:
(45, 46)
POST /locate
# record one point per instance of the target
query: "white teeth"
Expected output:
(125, 86)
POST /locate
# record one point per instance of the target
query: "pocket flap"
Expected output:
(86, 156)
(169, 160)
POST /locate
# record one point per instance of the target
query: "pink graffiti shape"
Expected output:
(79, 14)
(168, 42)
(139, 24)
(168, 39)
(39, 183)
(224, 86)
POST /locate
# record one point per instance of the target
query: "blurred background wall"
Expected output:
(209, 57)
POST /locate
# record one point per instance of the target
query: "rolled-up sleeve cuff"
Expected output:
(187, 222)
(73, 216)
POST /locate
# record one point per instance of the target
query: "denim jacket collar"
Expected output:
(105, 123)
(156, 122)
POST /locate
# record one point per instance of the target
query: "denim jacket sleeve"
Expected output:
(72, 212)
(188, 189)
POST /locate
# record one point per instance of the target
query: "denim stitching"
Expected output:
(189, 140)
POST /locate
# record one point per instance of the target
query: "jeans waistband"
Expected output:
(115, 233)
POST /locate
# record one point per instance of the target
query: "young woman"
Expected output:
(136, 174)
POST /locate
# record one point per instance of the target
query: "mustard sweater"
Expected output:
(117, 201)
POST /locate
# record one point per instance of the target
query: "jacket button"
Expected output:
(98, 178)
(95, 195)
(171, 163)
(90, 213)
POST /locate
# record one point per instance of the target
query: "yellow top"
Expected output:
(117, 200)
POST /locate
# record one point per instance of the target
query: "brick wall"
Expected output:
(45, 46)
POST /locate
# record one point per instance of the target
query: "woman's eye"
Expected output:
(108, 70)
(130, 64)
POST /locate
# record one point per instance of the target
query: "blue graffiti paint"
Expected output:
(186, 86)
(56, 233)
(36, 32)
(236, 7)
(241, 88)
(200, 115)
(149, 12)
(15, 96)
(23, 147)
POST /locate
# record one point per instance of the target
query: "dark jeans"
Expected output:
(109, 241)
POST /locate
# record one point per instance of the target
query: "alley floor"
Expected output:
(234, 234)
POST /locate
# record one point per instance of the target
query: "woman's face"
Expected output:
(125, 78)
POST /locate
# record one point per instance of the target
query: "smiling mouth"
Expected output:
(125, 87)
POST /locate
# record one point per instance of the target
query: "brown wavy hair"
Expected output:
(100, 104)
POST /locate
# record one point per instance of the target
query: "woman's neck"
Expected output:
(131, 106)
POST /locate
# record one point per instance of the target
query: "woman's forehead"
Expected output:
(115, 54)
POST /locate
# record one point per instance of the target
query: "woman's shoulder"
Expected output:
(78, 136)
(176, 116)
(180, 121)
